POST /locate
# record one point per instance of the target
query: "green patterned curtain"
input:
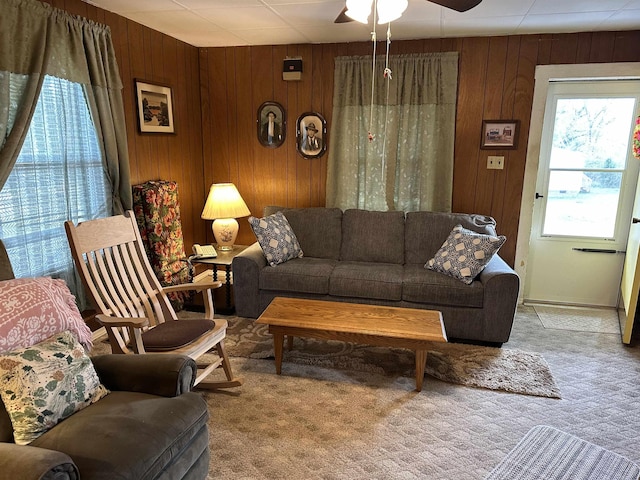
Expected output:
(408, 165)
(37, 40)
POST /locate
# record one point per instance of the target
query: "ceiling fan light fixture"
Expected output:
(359, 10)
(390, 10)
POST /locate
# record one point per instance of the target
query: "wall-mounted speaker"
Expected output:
(292, 69)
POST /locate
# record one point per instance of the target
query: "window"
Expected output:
(59, 176)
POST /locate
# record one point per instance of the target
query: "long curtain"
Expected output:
(37, 40)
(397, 153)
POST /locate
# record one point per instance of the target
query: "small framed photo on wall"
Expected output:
(272, 124)
(499, 134)
(311, 135)
(155, 108)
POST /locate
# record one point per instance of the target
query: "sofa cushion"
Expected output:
(319, 230)
(379, 281)
(464, 254)
(276, 238)
(45, 383)
(138, 436)
(425, 231)
(304, 275)
(420, 285)
(369, 236)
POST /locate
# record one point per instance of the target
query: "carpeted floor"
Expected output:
(321, 423)
(505, 369)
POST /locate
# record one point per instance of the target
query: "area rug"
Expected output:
(504, 369)
(595, 320)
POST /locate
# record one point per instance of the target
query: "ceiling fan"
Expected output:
(457, 5)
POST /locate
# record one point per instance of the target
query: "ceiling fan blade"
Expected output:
(343, 18)
(457, 5)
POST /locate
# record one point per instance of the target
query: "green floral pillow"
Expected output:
(43, 384)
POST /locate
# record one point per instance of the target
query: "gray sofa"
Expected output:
(378, 258)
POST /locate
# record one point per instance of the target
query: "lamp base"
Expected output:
(225, 231)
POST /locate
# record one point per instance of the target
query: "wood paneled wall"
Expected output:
(496, 81)
(217, 92)
(145, 54)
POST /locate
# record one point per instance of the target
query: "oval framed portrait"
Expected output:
(272, 124)
(311, 135)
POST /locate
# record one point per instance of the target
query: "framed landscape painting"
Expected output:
(155, 108)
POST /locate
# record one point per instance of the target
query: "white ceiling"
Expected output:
(215, 23)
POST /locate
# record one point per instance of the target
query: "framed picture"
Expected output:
(311, 135)
(499, 134)
(155, 108)
(272, 124)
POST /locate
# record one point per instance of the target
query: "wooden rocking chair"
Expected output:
(134, 307)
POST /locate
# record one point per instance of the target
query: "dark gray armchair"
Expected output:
(151, 426)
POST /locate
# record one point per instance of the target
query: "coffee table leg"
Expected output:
(278, 343)
(421, 361)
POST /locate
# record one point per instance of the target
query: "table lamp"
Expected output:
(224, 204)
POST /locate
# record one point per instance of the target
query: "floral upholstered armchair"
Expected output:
(157, 212)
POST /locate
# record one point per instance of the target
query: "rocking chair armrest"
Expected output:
(167, 375)
(197, 286)
(36, 463)
(135, 322)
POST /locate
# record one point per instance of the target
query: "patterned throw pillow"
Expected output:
(276, 238)
(465, 254)
(33, 309)
(46, 383)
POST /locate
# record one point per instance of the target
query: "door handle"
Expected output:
(542, 196)
(597, 250)
(635, 220)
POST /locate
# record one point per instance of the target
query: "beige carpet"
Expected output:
(596, 320)
(315, 423)
(509, 370)
(504, 369)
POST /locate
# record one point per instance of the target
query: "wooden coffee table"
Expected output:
(353, 322)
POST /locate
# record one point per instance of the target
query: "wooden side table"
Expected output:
(224, 258)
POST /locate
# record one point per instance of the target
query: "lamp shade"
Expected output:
(224, 201)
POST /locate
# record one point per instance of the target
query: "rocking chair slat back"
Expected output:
(111, 260)
(115, 269)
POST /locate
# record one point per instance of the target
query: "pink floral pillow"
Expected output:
(636, 139)
(34, 309)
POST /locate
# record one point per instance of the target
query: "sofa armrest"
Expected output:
(501, 288)
(496, 266)
(167, 375)
(27, 462)
(246, 281)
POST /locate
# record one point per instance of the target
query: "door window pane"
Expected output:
(588, 157)
(595, 131)
(581, 207)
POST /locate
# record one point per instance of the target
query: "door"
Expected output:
(584, 193)
(630, 285)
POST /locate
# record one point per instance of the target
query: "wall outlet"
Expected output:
(495, 163)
